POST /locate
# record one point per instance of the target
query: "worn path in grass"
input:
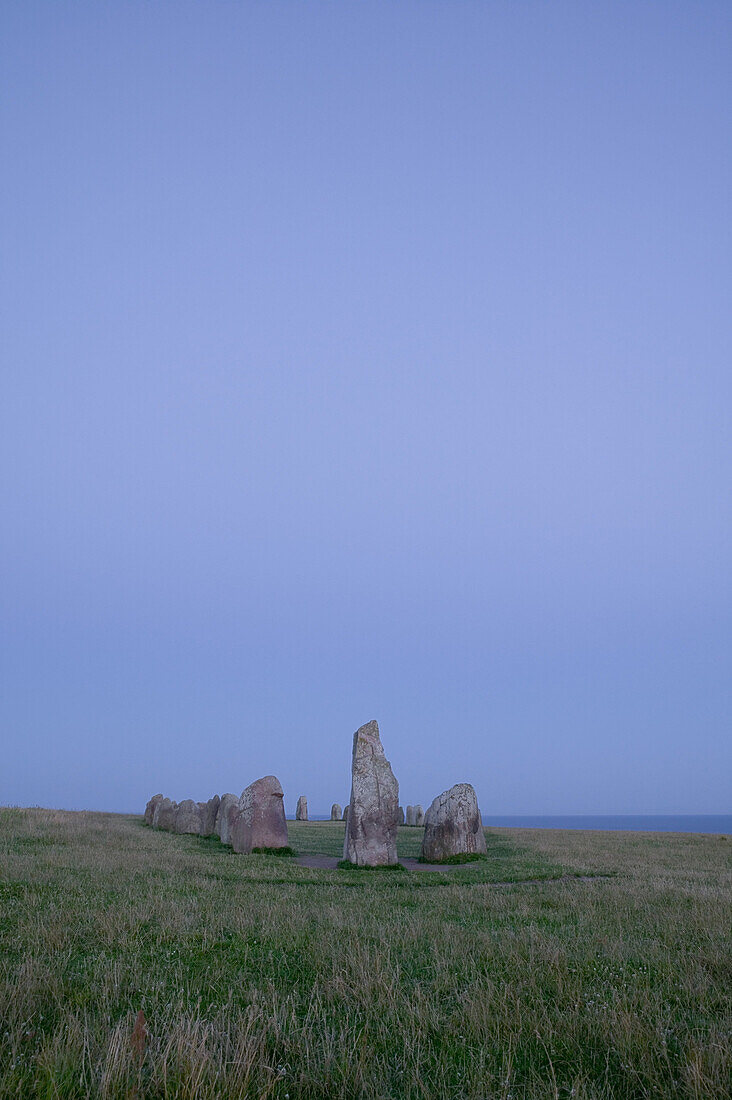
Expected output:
(259, 977)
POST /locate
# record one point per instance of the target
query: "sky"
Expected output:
(366, 360)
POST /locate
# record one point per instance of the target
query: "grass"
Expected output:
(261, 978)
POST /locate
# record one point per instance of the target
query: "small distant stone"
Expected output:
(400, 816)
(301, 813)
(418, 816)
(410, 815)
(345, 812)
(335, 812)
(452, 825)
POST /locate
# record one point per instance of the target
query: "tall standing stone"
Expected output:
(400, 815)
(150, 808)
(228, 802)
(335, 812)
(418, 816)
(373, 811)
(301, 813)
(345, 813)
(452, 825)
(263, 809)
(410, 817)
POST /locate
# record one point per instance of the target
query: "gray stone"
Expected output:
(262, 804)
(335, 812)
(301, 813)
(240, 831)
(373, 812)
(209, 811)
(410, 817)
(226, 805)
(345, 813)
(400, 817)
(188, 817)
(164, 816)
(452, 825)
(150, 808)
(418, 816)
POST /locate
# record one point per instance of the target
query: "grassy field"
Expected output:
(261, 978)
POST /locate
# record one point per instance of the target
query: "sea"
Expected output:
(637, 823)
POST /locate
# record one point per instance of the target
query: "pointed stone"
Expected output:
(301, 813)
(373, 811)
(335, 812)
(452, 825)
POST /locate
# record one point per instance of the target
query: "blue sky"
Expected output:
(367, 360)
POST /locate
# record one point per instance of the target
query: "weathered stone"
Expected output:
(209, 811)
(301, 813)
(373, 812)
(188, 817)
(262, 804)
(240, 831)
(164, 816)
(345, 813)
(410, 819)
(150, 808)
(452, 825)
(418, 816)
(226, 805)
(335, 812)
(400, 816)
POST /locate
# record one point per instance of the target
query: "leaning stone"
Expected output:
(373, 812)
(209, 811)
(150, 808)
(226, 805)
(452, 825)
(301, 813)
(400, 819)
(164, 816)
(335, 812)
(410, 815)
(188, 817)
(418, 816)
(262, 804)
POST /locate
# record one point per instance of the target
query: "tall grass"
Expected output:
(260, 978)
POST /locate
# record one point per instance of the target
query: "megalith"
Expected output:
(373, 811)
(400, 815)
(226, 805)
(335, 812)
(452, 825)
(263, 808)
(209, 811)
(240, 831)
(164, 816)
(150, 808)
(188, 817)
(345, 813)
(410, 816)
(301, 813)
(418, 816)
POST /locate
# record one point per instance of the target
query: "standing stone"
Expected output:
(452, 825)
(263, 807)
(345, 813)
(188, 817)
(400, 818)
(209, 811)
(335, 812)
(418, 816)
(226, 805)
(301, 813)
(410, 818)
(373, 811)
(150, 808)
(240, 831)
(164, 816)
